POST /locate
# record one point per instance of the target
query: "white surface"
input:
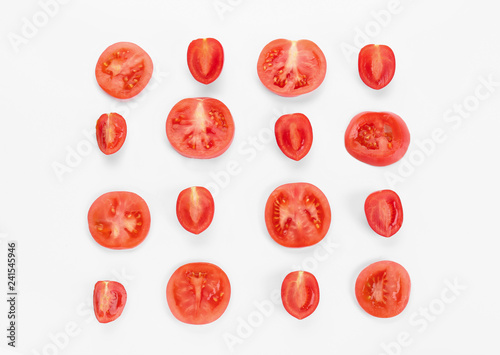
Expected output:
(49, 97)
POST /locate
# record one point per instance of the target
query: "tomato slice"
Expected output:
(300, 294)
(383, 289)
(294, 135)
(297, 215)
(110, 298)
(377, 138)
(111, 131)
(291, 68)
(195, 209)
(123, 70)
(119, 220)
(205, 58)
(200, 128)
(377, 65)
(384, 212)
(198, 293)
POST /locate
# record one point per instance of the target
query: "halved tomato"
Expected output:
(377, 138)
(123, 70)
(294, 135)
(110, 298)
(198, 293)
(297, 215)
(205, 58)
(195, 209)
(200, 128)
(291, 68)
(384, 212)
(383, 289)
(376, 65)
(111, 131)
(119, 220)
(300, 294)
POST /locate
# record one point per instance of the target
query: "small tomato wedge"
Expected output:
(376, 65)
(198, 293)
(123, 70)
(291, 68)
(110, 298)
(297, 215)
(205, 58)
(294, 135)
(377, 138)
(119, 220)
(383, 289)
(384, 212)
(111, 131)
(300, 294)
(195, 209)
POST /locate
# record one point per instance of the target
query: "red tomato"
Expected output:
(383, 289)
(119, 220)
(377, 65)
(377, 138)
(198, 293)
(300, 294)
(294, 135)
(111, 131)
(291, 68)
(200, 128)
(110, 298)
(195, 209)
(297, 215)
(205, 58)
(123, 70)
(384, 212)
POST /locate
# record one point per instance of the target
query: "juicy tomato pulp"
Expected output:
(383, 289)
(377, 138)
(111, 131)
(205, 58)
(200, 128)
(300, 294)
(294, 135)
(195, 209)
(110, 298)
(291, 68)
(376, 65)
(198, 293)
(384, 212)
(297, 215)
(119, 220)
(123, 70)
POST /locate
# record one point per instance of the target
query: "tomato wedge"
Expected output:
(205, 58)
(200, 128)
(377, 138)
(294, 135)
(297, 215)
(300, 294)
(110, 298)
(111, 131)
(195, 209)
(119, 220)
(123, 70)
(383, 289)
(376, 65)
(384, 212)
(291, 68)
(198, 293)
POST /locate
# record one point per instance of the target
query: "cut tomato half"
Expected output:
(110, 298)
(376, 65)
(384, 212)
(294, 135)
(300, 294)
(195, 209)
(205, 58)
(111, 131)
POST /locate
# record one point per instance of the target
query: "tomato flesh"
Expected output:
(111, 131)
(205, 58)
(294, 135)
(110, 298)
(195, 209)
(376, 65)
(300, 294)
(384, 212)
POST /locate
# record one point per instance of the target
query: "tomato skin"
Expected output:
(376, 65)
(111, 131)
(109, 298)
(386, 146)
(294, 135)
(205, 58)
(300, 294)
(384, 212)
(195, 209)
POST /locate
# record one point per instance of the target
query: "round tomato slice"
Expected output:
(377, 138)
(297, 215)
(205, 58)
(195, 209)
(300, 294)
(294, 135)
(123, 70)
(198, 293)
(110, 298)
(200, 128)
(291, 68)
(384, 212)
(119, 220)
(377, 65)
(111, 131)
(383, 289)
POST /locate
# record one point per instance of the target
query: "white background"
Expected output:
(49, 97)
